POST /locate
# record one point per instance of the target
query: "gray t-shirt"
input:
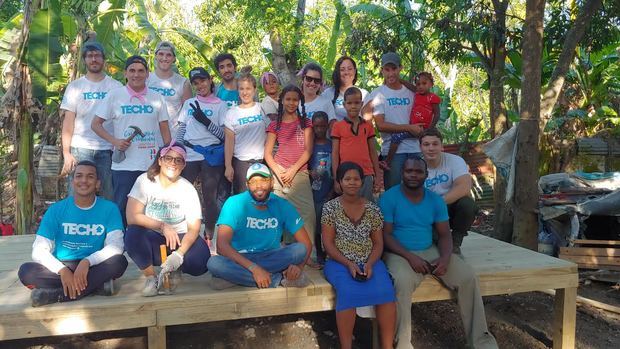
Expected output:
(441, 178)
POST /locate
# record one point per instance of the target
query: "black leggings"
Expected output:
(35, 275)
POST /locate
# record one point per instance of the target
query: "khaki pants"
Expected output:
(300, 195)
(459, 277)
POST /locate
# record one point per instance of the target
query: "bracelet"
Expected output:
(252, 266)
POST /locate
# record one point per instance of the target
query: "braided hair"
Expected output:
(300, 115)
(336, 76)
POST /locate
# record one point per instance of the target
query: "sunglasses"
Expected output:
(317, 81)
(171, 159)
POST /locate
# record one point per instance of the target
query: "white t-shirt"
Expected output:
(341, 113)
(250, 128)
(197, 133)
(440, 179)
(172, 91)
(123, 112)
(320, 103)
(82, 97)
(174, 205)
(269, 106)
(396, 106)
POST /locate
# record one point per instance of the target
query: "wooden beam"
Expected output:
(157, 337)
(564, 313)
(590, 251)
(597, 242)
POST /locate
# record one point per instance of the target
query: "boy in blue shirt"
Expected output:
(79, 245)
(320, 165)
(249, 236)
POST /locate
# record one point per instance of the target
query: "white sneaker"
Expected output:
(302, 281)
(150, 287)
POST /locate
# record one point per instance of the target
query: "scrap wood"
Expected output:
(591, 302)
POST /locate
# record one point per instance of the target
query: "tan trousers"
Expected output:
(300, 195)
(459, 277)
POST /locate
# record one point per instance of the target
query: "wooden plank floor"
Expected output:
(502, 268)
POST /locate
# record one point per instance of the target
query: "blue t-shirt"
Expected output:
(413, 223)
(79, 232)
(257, 230)
(231, 97)
(321, 163)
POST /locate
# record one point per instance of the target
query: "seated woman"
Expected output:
(353, 240)
(163, 208)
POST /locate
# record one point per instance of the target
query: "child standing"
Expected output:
(271, 85)
(292, 130)
(320, 166)
(425, 112)
(353, 139)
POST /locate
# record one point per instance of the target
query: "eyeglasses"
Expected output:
(317, 81)
(171, 159)
(94, 56)
(258, 180)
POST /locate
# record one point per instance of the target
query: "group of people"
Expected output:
(286, 183)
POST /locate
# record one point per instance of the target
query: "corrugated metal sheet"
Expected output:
(598, 146)
(480, 166)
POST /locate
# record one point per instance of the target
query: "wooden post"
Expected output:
(157, 337)
(564, 318)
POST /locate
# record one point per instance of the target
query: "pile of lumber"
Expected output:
(593, 254)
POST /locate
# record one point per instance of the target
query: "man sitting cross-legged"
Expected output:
(249, 238)
(78, 249)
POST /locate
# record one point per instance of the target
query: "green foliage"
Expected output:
(9, 9)
(44, 52)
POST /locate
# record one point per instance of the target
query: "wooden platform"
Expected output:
(502, 269)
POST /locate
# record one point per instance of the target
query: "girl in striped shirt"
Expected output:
(292, 131)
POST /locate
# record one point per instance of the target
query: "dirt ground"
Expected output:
(517, 321)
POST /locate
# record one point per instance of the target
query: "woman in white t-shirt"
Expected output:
(343, 77)
(163, 209)
(311, 84)
(245, 133)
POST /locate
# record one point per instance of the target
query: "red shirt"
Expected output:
(291, 142)
(422, 112)
(354, 146)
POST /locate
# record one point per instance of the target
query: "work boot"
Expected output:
(44, 296)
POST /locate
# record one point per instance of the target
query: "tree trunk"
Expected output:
(526, 164)
(498, 118)
(556, 83)
(25, 170)
(278, 60)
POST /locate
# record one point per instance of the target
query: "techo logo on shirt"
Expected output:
(431, 182)
(265, 223)
(94, 95)
(137, 109)
(398, 101)
(250, 119)
(83, 229)
(166, 92)
(208, 112)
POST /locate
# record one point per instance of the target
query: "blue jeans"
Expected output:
(393, 176)
(274, 261)
(103, 161)
(123, 182)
